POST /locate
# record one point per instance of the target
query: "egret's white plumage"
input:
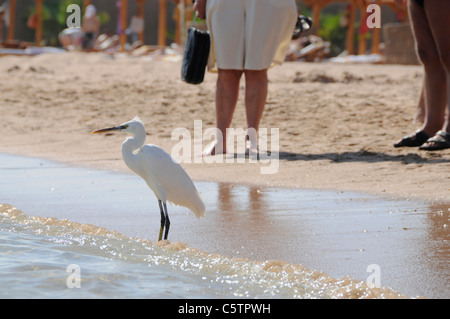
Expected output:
(165, 177)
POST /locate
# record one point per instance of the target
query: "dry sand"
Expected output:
(337, 122)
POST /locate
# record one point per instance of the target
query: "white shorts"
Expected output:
(249, 34)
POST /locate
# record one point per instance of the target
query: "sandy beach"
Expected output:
(337, 122)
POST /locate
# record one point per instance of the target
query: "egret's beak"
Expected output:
(115, 128)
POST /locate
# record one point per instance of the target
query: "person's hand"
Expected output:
(200, 8)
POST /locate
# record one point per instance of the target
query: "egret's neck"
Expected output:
(131, 146)
(133, 143)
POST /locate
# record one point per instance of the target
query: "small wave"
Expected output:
(238, 277)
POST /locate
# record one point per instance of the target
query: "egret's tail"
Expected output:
(194, 202)
(198, 207)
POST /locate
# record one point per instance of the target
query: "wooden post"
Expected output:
(12, 20)
(123, 27)
(362, 36)
(351, 29)
(182, 21)
(177, 17)
(38, 22)
(376, 36)
(316, 15)
(141, 15)
(162, 23)
(189, 13)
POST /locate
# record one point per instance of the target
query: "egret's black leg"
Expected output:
(167, 222)
(163, 219)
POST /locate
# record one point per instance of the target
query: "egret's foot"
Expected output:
(162, 243)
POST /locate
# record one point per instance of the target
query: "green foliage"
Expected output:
(103, 17)
(49, 22)
(54, 16)
(330, 26)
(332, 31)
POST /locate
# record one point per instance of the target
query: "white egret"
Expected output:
(165, 177)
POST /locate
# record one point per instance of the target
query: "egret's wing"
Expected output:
(169, 180)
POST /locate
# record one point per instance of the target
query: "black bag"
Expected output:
(196, 55)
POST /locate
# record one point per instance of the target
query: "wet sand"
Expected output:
(338, 233)
(337, 125)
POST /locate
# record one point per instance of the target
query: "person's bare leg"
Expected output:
(438, 13)
(446, 126)
(420, 112)
(256, 88)
(227, 93)
(435, 75)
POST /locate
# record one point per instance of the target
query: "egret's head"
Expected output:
(131, 127)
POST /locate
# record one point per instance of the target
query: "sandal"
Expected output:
(413, 140)
(438, 142)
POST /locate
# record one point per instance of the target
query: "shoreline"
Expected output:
(337, 122)
(201, 173)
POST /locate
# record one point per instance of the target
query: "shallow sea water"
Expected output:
(253, 242)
